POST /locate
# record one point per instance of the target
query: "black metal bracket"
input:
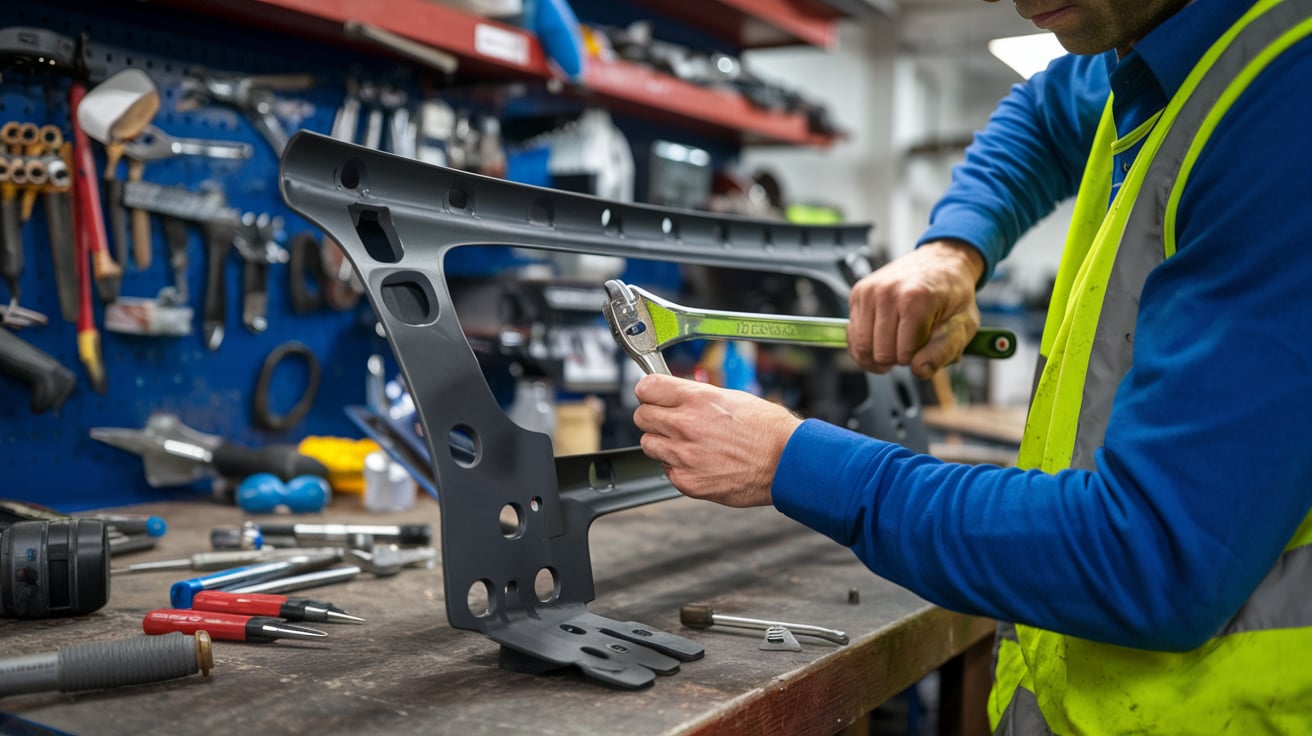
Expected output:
(396, 219)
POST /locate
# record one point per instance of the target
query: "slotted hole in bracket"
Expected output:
(546, 585)
(542, 212)
(466, 446)
(512, 594)
(571, 628)
(459, 200)
(374, 227)
(594, 652)
(512, 521)
(601, 475)
(479, 599)
(409, 297)
(617, 648)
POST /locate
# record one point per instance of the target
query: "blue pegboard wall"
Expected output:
(49, 458)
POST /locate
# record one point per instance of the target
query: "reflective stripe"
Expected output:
(1023, 717)
(1244, 680)
(1142, 246)
(1281, 600)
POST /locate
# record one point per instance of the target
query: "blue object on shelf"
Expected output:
(557, 29)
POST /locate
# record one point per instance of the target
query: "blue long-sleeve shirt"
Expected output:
(1206, 468)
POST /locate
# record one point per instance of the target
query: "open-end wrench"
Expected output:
(644, 324)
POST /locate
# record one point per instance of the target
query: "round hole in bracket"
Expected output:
(466, 446)
(546, 585)
(667, 226)
(512, 521)
(479, 599)
(641, 632)
(617, 648)
(572, 629)
(605, 217)
(535, 504)
(459, 199)
(351, 175)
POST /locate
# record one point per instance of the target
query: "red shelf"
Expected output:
(489, 48)
(756, 23)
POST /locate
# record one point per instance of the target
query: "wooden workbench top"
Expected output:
(408, 672)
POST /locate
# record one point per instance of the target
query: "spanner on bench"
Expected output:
(644, 324)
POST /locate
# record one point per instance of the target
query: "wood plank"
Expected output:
(997, 423)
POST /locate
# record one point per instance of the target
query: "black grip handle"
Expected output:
(51, 382)
(63, 250)
(235, 461)
(118, 219)
(219, 242)
(11, 240)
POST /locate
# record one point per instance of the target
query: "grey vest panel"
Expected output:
(1142, 246)
(1023, 717)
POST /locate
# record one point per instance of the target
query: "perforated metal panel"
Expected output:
(49, 458)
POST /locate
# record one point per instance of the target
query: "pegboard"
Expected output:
(49, 458)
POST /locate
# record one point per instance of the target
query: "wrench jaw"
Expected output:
(631, 325)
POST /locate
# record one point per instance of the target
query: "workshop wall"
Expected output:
(49, 457)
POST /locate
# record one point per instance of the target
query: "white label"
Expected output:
(499, 43)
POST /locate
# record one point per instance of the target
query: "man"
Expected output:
(1153, 546)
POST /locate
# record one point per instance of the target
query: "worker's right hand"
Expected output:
(918, 310)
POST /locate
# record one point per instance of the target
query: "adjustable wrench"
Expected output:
(644, 324)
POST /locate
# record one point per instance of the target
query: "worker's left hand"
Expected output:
(715, 444)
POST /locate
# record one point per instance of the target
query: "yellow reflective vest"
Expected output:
(1052, 683)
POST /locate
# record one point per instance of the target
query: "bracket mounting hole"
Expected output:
(479, 598)
(512, 521)
(546, 585)
(466, 447)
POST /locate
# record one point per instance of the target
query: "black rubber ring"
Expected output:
(264, 416)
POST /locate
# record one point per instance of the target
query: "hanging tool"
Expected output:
(58, 200)
(175, 454)
(256, 242)
(253, 95)
(13, 172)
(153, 144)
(181, 592)
(50, 381)
(113, 113)
(225, 626)
(267, 604)
(91, 244)
(644, 324)
(104, 664)
(702, 617)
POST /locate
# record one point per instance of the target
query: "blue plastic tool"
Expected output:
(263, 493)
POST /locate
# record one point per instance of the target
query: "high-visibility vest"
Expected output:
(1253, 677)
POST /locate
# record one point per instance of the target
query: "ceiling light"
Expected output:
(1028, 55)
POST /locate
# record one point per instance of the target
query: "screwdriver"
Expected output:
(222, 560)
(264, 604)
(226, 626)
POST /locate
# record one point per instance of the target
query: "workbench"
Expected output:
(407, 671)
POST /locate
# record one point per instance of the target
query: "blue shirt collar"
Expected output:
(1172, 49)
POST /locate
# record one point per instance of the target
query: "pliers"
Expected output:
(644, 324)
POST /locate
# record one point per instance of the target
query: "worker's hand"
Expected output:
(918, 310)
(715, 443)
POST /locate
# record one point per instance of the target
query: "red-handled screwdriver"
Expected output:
(224, 625)
(266, 604)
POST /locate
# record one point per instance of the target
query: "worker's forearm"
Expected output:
(1016, 171)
